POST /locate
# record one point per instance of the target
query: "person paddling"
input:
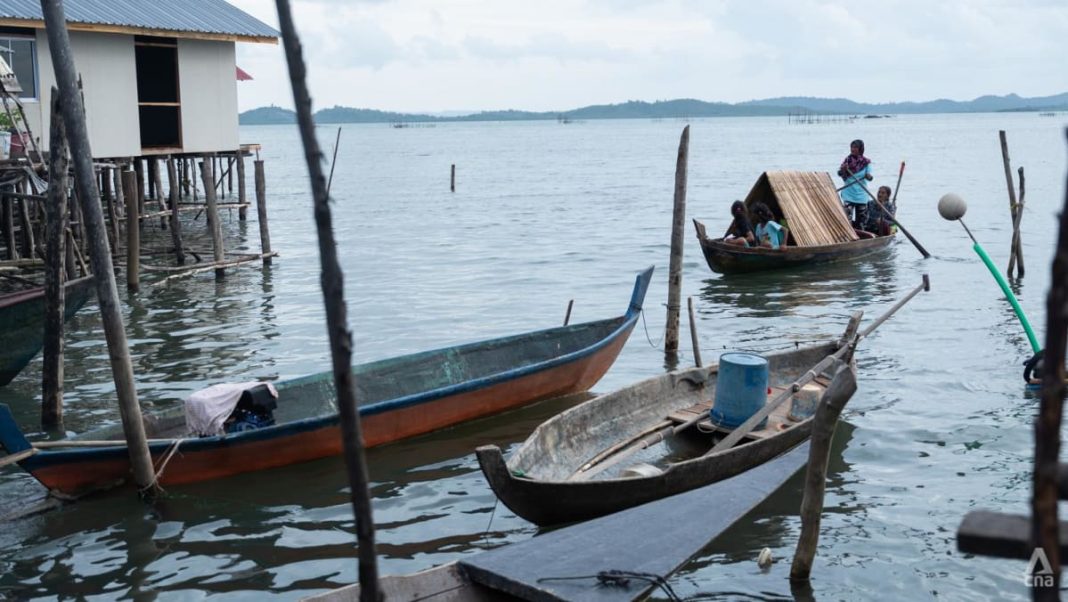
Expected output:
(854, 170)
(741, 230)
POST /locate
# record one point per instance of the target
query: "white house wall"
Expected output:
(108, 69)
(208, 88)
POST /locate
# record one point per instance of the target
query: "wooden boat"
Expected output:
(818, 231)
(398, 398)
(567, 471)
(22, 323)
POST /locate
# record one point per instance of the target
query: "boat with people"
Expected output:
(226, 430)
(673, 432)
(22, 316)
(815, 228)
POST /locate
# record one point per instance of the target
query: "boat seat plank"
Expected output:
(776, 421)
(630, 540)
(989, 533)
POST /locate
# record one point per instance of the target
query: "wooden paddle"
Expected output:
(897, 186)
(842, 354)
(893, 219)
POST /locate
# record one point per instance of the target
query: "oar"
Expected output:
(897, 187)
(746, 427)
(893, 219)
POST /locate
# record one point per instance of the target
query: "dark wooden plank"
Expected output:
(989, 533)
(644, 539)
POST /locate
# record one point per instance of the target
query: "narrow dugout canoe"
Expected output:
(726, 258)
(553, 477)
(398, 398)
(22, 323)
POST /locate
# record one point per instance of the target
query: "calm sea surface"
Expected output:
(544, 213)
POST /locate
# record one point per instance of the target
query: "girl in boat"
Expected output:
(879, 220)
(854, 170)
(769, 233)
(741, 230)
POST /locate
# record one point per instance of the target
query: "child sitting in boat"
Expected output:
(741, 230)
(769, 233)
(879, 220)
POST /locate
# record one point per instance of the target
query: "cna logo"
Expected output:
(1039, 572)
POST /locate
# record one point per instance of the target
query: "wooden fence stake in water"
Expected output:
(113, 214)
(567, 316)
(106, 293)
(214, 225)
(452, 179)
(133, 232)
(671, 336)
(823, 424)
(176, 223)
(242, 195)
(157, 184)
(332, 281)
(55, 293)
(261, 211)
(1014, 251)
(1017, 242)
(693, 335)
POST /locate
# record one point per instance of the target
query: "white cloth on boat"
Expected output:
(207, 410)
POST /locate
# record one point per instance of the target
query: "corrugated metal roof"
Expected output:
(194, 16)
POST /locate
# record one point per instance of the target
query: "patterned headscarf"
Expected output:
(855, 163)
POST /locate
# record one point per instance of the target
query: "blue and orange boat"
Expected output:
(398, 398)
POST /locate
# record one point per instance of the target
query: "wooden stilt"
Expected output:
(671, 336)
(1017, 243)
(106, 293)
(70, 263)
(452, 178)
(133, 231)
(230, 174)
(1013, 206)
(113, 215)
(157, 183)
(28, 243)
(9, 228)
(218, 250)
(176, 222)
(139, 171)
(153, 191)
(56, 212)
(261, 211)
(242, 195)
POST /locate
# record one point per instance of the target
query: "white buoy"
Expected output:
(952, 207)
(764, 559)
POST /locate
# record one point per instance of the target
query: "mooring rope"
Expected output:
(163, 461)
(648, 338)
(620, 578)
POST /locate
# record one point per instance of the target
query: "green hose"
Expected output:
(1008, 295)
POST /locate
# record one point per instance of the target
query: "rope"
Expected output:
(619, 578)
(485, 534)
(648, 338)
(161, 465)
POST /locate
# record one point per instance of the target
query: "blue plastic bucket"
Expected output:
(741, 389)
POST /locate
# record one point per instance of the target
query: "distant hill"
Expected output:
(680, 108)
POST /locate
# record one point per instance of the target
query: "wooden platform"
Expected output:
(656, 538)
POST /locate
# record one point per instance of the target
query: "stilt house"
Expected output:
(157, 77)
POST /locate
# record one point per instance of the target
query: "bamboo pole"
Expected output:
(1017, 243)
(113, 214)
(1044, 522)
(823, 424)
(139, 170)
(107, 295)
(55, 293)
(1013, 207)
(332, 281)
(176, 222)
(261, 211)
(214, 225)
(693, 335)
(242, 193)
(671, 336)
(157, 184)
(9, 227)
(214, 266)
(133, 232)
(452, 179)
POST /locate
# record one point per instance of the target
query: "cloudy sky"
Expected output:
(469, 55)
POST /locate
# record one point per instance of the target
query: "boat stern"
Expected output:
(11, 438)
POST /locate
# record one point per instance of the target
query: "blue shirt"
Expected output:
(854, 193)
(770, 232)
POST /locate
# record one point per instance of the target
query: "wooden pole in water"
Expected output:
(113, 215)
(107, 295)
(261, 211)
(139, 170)
(671, 336)
(242, 195)
(452, 179)
(9, 227)
(1044, 522)
(332, 280)
(176, 223)
(693, 335)
(55, 293)
(217, 247)
(133, 232)
(157, 184)
(1017, 243)
(823, 424)
(1013, 207)
(567, 316)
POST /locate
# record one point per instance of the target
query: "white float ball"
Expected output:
(952, 207)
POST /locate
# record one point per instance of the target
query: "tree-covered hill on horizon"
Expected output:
(679, 108)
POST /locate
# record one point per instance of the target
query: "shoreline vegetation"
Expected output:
(680, 109)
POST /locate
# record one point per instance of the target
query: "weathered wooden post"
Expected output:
(28, 243)
(133, 232)
(823, 424)
(1017, 242)
(671, 336)
(9, 226)
(261, 211)
(452, 179)
(693, 335)
(176, 222)
(567, 316)
(55, 293)
(113, 214)
(215, 226)
(332, 281)
(1013, 207)
(139, 170)
(242, 194)
(107, 295)
(157, 184)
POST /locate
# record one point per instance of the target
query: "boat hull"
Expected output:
(725, 258)
(22, 324)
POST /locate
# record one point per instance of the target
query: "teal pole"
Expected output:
(1008, 295)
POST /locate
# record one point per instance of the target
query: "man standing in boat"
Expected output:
(855, 169)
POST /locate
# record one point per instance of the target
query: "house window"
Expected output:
(21, 55)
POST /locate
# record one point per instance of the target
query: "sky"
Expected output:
(555, 55)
